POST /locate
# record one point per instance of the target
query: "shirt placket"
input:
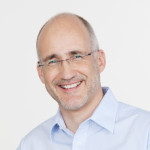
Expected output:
(80, 137)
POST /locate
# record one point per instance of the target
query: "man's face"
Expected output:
(72, 85)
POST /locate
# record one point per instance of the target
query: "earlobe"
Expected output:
(40, 73)
(101, 60)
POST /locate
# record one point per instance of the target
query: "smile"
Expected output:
(70, 86)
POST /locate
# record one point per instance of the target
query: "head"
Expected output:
(73, 84)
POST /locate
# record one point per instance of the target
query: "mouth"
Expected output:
(70, 86)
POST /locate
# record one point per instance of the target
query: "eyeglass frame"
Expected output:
(68, 59)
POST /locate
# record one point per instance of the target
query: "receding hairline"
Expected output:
(88, 27)
(63, 16)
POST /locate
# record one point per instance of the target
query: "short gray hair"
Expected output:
(93, 40)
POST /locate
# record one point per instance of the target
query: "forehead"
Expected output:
(62, 35)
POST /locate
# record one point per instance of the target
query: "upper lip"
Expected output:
(63, 84)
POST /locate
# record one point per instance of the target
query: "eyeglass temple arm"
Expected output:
(40, 65)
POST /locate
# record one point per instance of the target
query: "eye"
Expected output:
(77, 56)
(53, 61)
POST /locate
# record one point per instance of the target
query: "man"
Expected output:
(89, 116)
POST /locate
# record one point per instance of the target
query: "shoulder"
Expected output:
(40, 134)
(43, 128)
(126, 111)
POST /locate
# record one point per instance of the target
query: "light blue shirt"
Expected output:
(113, 126)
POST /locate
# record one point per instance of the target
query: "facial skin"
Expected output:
(61, 36)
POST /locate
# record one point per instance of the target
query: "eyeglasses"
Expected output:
(74, 59)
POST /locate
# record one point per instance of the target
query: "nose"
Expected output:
(66, 70)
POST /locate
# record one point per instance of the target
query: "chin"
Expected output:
(73, 104)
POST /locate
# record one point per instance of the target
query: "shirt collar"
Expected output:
(105, 113)
(58, 123)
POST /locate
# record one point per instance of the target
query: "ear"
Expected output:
(101, 60)
(40, 73)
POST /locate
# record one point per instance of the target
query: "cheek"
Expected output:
(87, 71)
(49, 77)
(93, 72)
(91, 68)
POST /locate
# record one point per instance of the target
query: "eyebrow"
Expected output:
(57, 56)
(50, 57)
(76, 52)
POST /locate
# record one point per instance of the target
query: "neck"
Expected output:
(73, 118)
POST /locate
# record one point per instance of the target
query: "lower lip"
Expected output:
(71, 89)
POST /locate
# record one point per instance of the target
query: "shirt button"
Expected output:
(79, 144)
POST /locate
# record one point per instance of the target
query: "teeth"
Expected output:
(70, 86)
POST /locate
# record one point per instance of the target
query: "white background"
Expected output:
(123, 31)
